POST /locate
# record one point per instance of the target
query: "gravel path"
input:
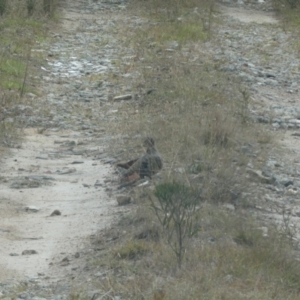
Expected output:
(254, 46)
(55, 187)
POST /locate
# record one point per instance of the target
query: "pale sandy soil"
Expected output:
(248, 16)
(84, 209)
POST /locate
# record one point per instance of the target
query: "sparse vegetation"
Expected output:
(200, 119)
(228, 258)
(131, 250)
(176, 212)
(289, 12)
(19, 32)
(291, 4)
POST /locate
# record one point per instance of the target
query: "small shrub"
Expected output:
(175, 211)
(2, 6)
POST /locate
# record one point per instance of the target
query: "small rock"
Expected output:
(24, 296)
(66, 259)
(67, 171)
(180, 170)
(263, 119)
(291, 192)
(65, 262)
(123, 200)
(77, 255)
(229, 207)
(13, 254)
(264, 231)
(257, 176)
(31, 209)
(144, 183)
(287, 183)
(55, 213)
(123, 97)
(173, 44)
(228, 278)
(29, 252)
(42, 157)
(98, 183)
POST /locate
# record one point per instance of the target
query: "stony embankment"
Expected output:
(255, 47)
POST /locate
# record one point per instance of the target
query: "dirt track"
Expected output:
(63, 182)
(45, 173)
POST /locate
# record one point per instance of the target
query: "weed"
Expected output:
(131, 250)
(176, 212)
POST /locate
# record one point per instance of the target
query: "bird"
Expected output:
(146, 166)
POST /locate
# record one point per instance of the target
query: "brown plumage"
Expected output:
(147, 165)
(128, 164)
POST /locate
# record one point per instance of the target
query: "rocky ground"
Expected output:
(64, 165)
(55, 186)
(266, 59)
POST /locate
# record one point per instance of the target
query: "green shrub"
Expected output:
(175, 211)
(3, 6)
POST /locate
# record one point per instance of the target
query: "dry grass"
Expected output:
(200, 120)
(19, 33)
(28, 8)
(228, 259)
(289, 13)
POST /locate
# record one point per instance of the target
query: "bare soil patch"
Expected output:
(249, 16)
(64, 182)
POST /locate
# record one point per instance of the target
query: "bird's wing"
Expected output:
(128, 164)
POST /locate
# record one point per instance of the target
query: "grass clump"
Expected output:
(12, 67)
(131, 250)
